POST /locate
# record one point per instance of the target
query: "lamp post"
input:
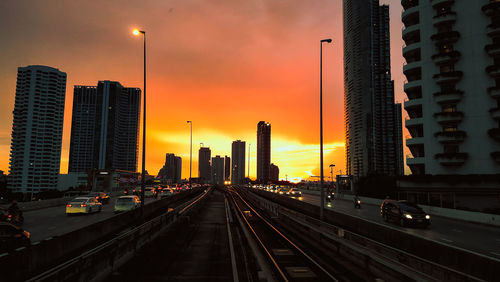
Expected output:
(322, 195)
(331, 172)
(137, 32)
(190, 152)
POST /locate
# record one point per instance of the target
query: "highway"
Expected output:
(482, 239)
(50, 222)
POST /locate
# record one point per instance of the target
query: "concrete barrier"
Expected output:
(468, 262)
(55, 250)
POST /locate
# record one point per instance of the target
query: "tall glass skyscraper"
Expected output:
(37, 129)
(372, 129)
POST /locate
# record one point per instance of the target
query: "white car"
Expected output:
(83, 205)
(127, 203)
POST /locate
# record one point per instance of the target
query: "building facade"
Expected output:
(371, 125)
(105, 127)
(204, 165)
(37, 128)
(274, 173)
(263, 151)
(217, 170)
(452, 55)
(238, 165)
(227, 168)
(172, 170)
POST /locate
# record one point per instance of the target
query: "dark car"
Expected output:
(405, 213)
(13, 237)
(102, 197)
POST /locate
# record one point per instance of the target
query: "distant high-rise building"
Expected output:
(452, 68)
(227, 168)
(105, 127)
(172, 170)
(37, 129)
(217, 170)
(370, 117)
(274, 173)
(238, 165)
(263, 151)
(204, 164)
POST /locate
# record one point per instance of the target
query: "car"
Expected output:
(404, 212)
(101, 197)
(149, 192)
(294, 192)
(127, 203)
(281, 191)
(13, 237)
(167, 192)
(83, 205)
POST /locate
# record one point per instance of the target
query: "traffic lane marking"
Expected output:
(446, 240)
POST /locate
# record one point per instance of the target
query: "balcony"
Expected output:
(493, 71)
(492, 8)
(494, 92)
(410, 12)
(446, 58)
(411, 48)
(495, 156)
(493, 30)
(494, 133)
(451, 159)
(448, 97)
(449, 117)
(414, 122)
(495, 113)
(412, 85)
(412, 68)
(442, 2)
(414, 161)
(492, 49)
(407, 4)
(450, 137)
(412, 103)
(415, 141)
(446, 36)
(411, 31)
(449, 17)
(448, 77)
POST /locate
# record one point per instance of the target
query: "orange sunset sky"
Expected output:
(223, 64)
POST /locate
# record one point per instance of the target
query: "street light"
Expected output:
(322, 195)
(137, 32)
(190, 152)
(331, 172)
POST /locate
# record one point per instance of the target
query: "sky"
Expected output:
(224, 64)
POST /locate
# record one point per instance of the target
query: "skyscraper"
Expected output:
(172, 170)
(227, 168)
(370, 115)
(204, 164)
(274, 173)
(217, 170)
(263, 151)
(37, 129)
(105, 127)
(238, 165)
(452, 68)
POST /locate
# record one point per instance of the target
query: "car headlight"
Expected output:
(427, 216)
(408, 216)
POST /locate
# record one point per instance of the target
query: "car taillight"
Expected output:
(83, 205)
(69, 205)
(10, 216)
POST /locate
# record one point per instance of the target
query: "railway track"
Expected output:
(287, 259)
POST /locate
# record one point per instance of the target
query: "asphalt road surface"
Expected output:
(50, 222)
(479, 238)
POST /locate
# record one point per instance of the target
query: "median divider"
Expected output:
(26, 262)
(434, 258)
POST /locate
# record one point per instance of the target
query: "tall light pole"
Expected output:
(322, 195)
(190, 152)
(137, 32)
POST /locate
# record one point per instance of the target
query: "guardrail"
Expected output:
(25, 262)
(433, 258)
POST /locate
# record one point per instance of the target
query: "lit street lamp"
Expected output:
(137, 32)
(322, 195)
(191, 151)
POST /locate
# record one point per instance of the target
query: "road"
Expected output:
(478, 238)
(50, 222)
